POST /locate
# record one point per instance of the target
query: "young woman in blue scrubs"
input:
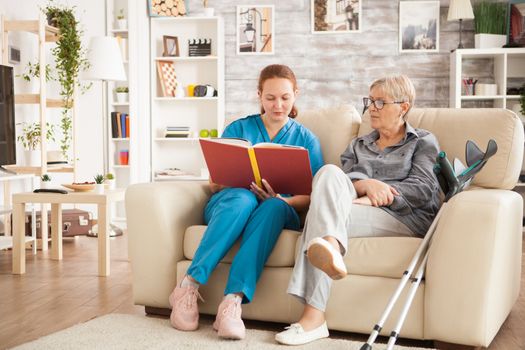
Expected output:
(256, 216)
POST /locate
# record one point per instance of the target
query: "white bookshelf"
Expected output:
(508, 70)
(125, 174)
(197, 113)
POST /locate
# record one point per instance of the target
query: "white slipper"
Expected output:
(326, 258)
(296, 335)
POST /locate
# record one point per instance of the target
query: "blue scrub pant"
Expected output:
(229, 214)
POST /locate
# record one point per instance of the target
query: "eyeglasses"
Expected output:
(378, 104)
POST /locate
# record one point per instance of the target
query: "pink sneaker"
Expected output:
(185, 312)
(228, 322)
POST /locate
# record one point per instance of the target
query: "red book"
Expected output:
(235, 163)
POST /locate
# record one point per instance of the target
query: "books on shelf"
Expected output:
(123, 44)
(119, 125)
(236, 163)
(177, 131)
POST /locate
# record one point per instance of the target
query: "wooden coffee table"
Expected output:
(103, 202)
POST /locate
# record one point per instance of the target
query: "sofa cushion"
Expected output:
(454, 126)
(375, 256)
(282, 254)
(335, 128)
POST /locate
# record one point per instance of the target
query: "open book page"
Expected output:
(275, 145)
(233, 141)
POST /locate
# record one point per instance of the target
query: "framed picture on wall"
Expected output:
(255, 30)
(516, 23)
(171, 45)
(335, 16)
(418, 26)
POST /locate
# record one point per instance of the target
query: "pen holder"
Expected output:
(469, 89)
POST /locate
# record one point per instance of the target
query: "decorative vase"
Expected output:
(110, 183)
(99, 188)
(32, 157)
(209, 11)
(122, 97)
(489, 41)
(179, 91)
(122, 24)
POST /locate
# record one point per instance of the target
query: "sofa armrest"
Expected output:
(157, 217)
(474, 267)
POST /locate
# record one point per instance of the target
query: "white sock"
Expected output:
(186, 282)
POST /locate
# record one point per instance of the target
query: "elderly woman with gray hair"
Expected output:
(386, 187)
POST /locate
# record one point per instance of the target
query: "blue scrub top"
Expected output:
(252, 128)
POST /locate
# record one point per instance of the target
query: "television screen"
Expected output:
(7, 117)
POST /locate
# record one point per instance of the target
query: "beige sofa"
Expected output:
(474, 268)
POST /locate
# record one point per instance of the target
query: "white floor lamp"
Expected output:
(105, 59)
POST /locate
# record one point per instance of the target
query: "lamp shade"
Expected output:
(460, 9)
(105, 60)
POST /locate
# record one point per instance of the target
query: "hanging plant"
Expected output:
(70, 60)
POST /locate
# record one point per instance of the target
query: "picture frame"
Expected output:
(255, 30)
(170, 45)
(516, 23)
(167, 8)
(167, 78)
(336, 16)
(419, 26)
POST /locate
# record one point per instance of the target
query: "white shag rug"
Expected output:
(118, 331)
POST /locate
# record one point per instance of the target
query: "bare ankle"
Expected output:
(312, 318)
(334, 242)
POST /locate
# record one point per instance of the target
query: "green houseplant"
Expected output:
(110, 180)
(46, 181)
(490, 24)
(122, 94)
(122, 23)
(99, 183)
(70, 60)
(30, 140)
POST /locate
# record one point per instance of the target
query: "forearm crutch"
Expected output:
(404, 279)
(451, 184)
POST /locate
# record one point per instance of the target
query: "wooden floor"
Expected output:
(55, 295)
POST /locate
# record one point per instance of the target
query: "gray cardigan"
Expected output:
(406, 166)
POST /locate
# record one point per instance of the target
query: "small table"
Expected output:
(103, 202)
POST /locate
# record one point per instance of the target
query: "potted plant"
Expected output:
(69, 61)
(46, 181)
(110, 180)
(122, 23)
(208, 11)
(122, 94)
(490, 24)
(99, 183)
(30, 139)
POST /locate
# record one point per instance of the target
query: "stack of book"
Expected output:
(177, 131)
(119, 125)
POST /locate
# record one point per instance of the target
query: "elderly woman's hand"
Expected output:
(379, 193)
